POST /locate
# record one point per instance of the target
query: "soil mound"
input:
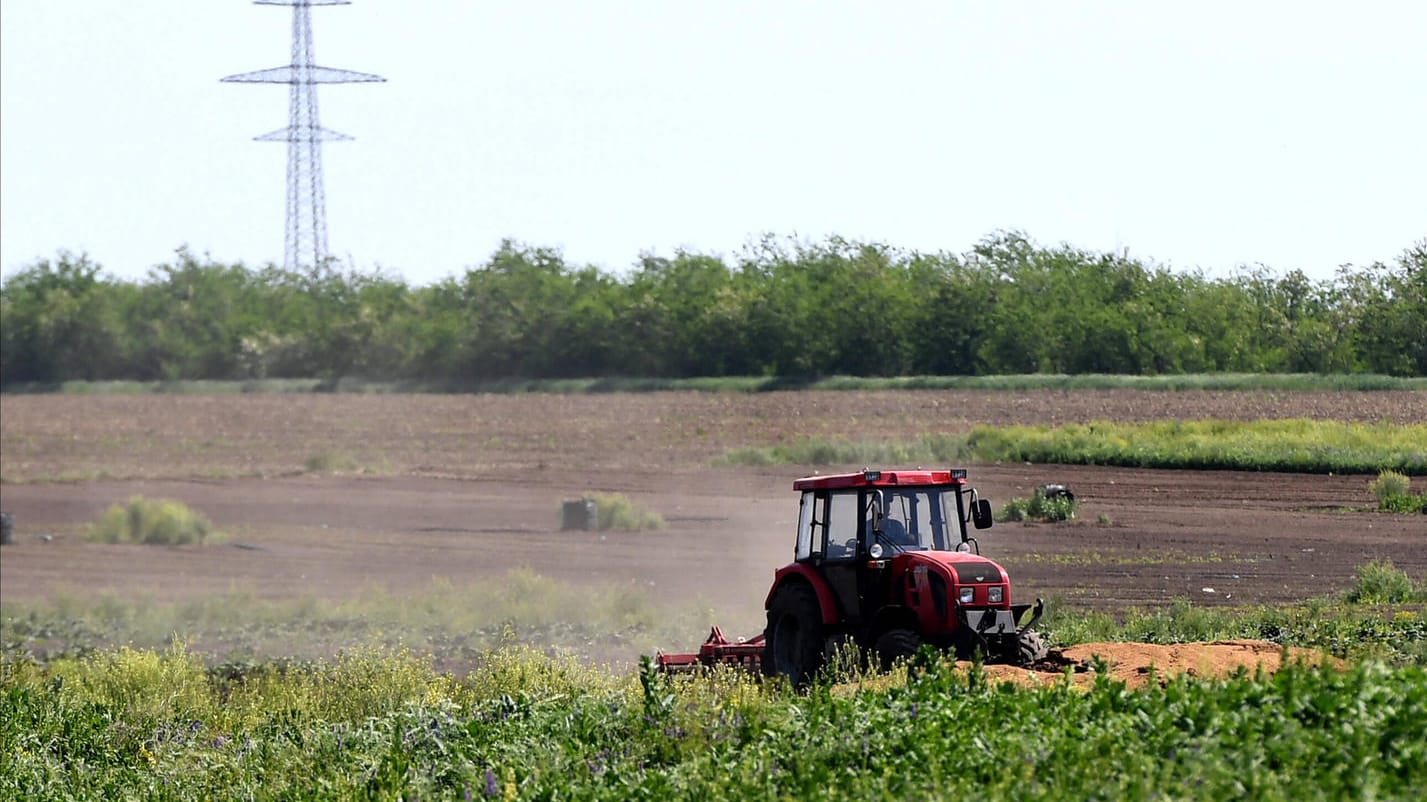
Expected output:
(1135, 663)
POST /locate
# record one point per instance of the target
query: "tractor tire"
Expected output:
(793, 645)
(896, 644)
(1030, 648)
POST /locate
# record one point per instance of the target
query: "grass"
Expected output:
(1095, 558)
(1246, 382)
(152, 522)
(1293, 445)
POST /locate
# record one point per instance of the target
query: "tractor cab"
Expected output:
(876, 514)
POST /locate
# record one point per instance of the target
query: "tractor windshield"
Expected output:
(918, 518)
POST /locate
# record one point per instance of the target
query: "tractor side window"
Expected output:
(804, 546)
(843, 520)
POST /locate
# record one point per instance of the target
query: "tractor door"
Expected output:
(839, 564)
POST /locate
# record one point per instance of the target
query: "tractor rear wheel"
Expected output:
(896, 644)
(1030, 648)
(793, 645)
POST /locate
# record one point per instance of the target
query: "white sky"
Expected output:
(1197, 134)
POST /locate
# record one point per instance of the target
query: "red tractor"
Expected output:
(883, 559)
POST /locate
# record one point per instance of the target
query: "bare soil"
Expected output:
(1136, 664)
(465, 487)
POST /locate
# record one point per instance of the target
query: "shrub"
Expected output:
(1389, 484)
(1393, 492)
(1041, 506)
(152, 521)
(1383, 583)
(615, 511)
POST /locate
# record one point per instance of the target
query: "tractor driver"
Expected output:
(893, 527)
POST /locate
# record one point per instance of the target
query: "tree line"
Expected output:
(778, 308)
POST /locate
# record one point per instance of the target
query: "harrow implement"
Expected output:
(716, 650)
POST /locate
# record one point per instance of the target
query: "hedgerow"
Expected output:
(783, 308)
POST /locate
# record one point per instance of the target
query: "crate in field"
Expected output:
(580, 513)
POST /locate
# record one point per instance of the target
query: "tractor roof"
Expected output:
(842, 481)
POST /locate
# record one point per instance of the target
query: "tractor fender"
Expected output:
(797, 572)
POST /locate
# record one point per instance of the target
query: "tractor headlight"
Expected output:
(995, 595)
(967, 595)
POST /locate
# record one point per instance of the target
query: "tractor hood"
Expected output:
(968, 569)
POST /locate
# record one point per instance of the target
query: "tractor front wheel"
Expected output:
(793, 641)
(896, 644)
(1030, 648)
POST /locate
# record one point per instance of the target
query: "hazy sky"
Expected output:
(1197, 134)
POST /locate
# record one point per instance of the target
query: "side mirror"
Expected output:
(981, 514)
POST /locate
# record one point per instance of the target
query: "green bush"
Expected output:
(1389, 484)
(151, 521)
(1393, 492)
(1383, 583)
(616, 511)
(1040, 507)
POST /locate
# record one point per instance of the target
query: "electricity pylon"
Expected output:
(306, 237)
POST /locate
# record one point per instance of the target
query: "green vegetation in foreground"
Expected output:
(1293, 445)
(1205, 382)
(522, 725)
(151, 521)
(1393, 492)
(377, 722)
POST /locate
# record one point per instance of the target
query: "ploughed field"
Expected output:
(332, 495)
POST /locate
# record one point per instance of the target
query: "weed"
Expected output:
(151, 521)
(1389, 484)
(1041, 506)
(616, 511)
